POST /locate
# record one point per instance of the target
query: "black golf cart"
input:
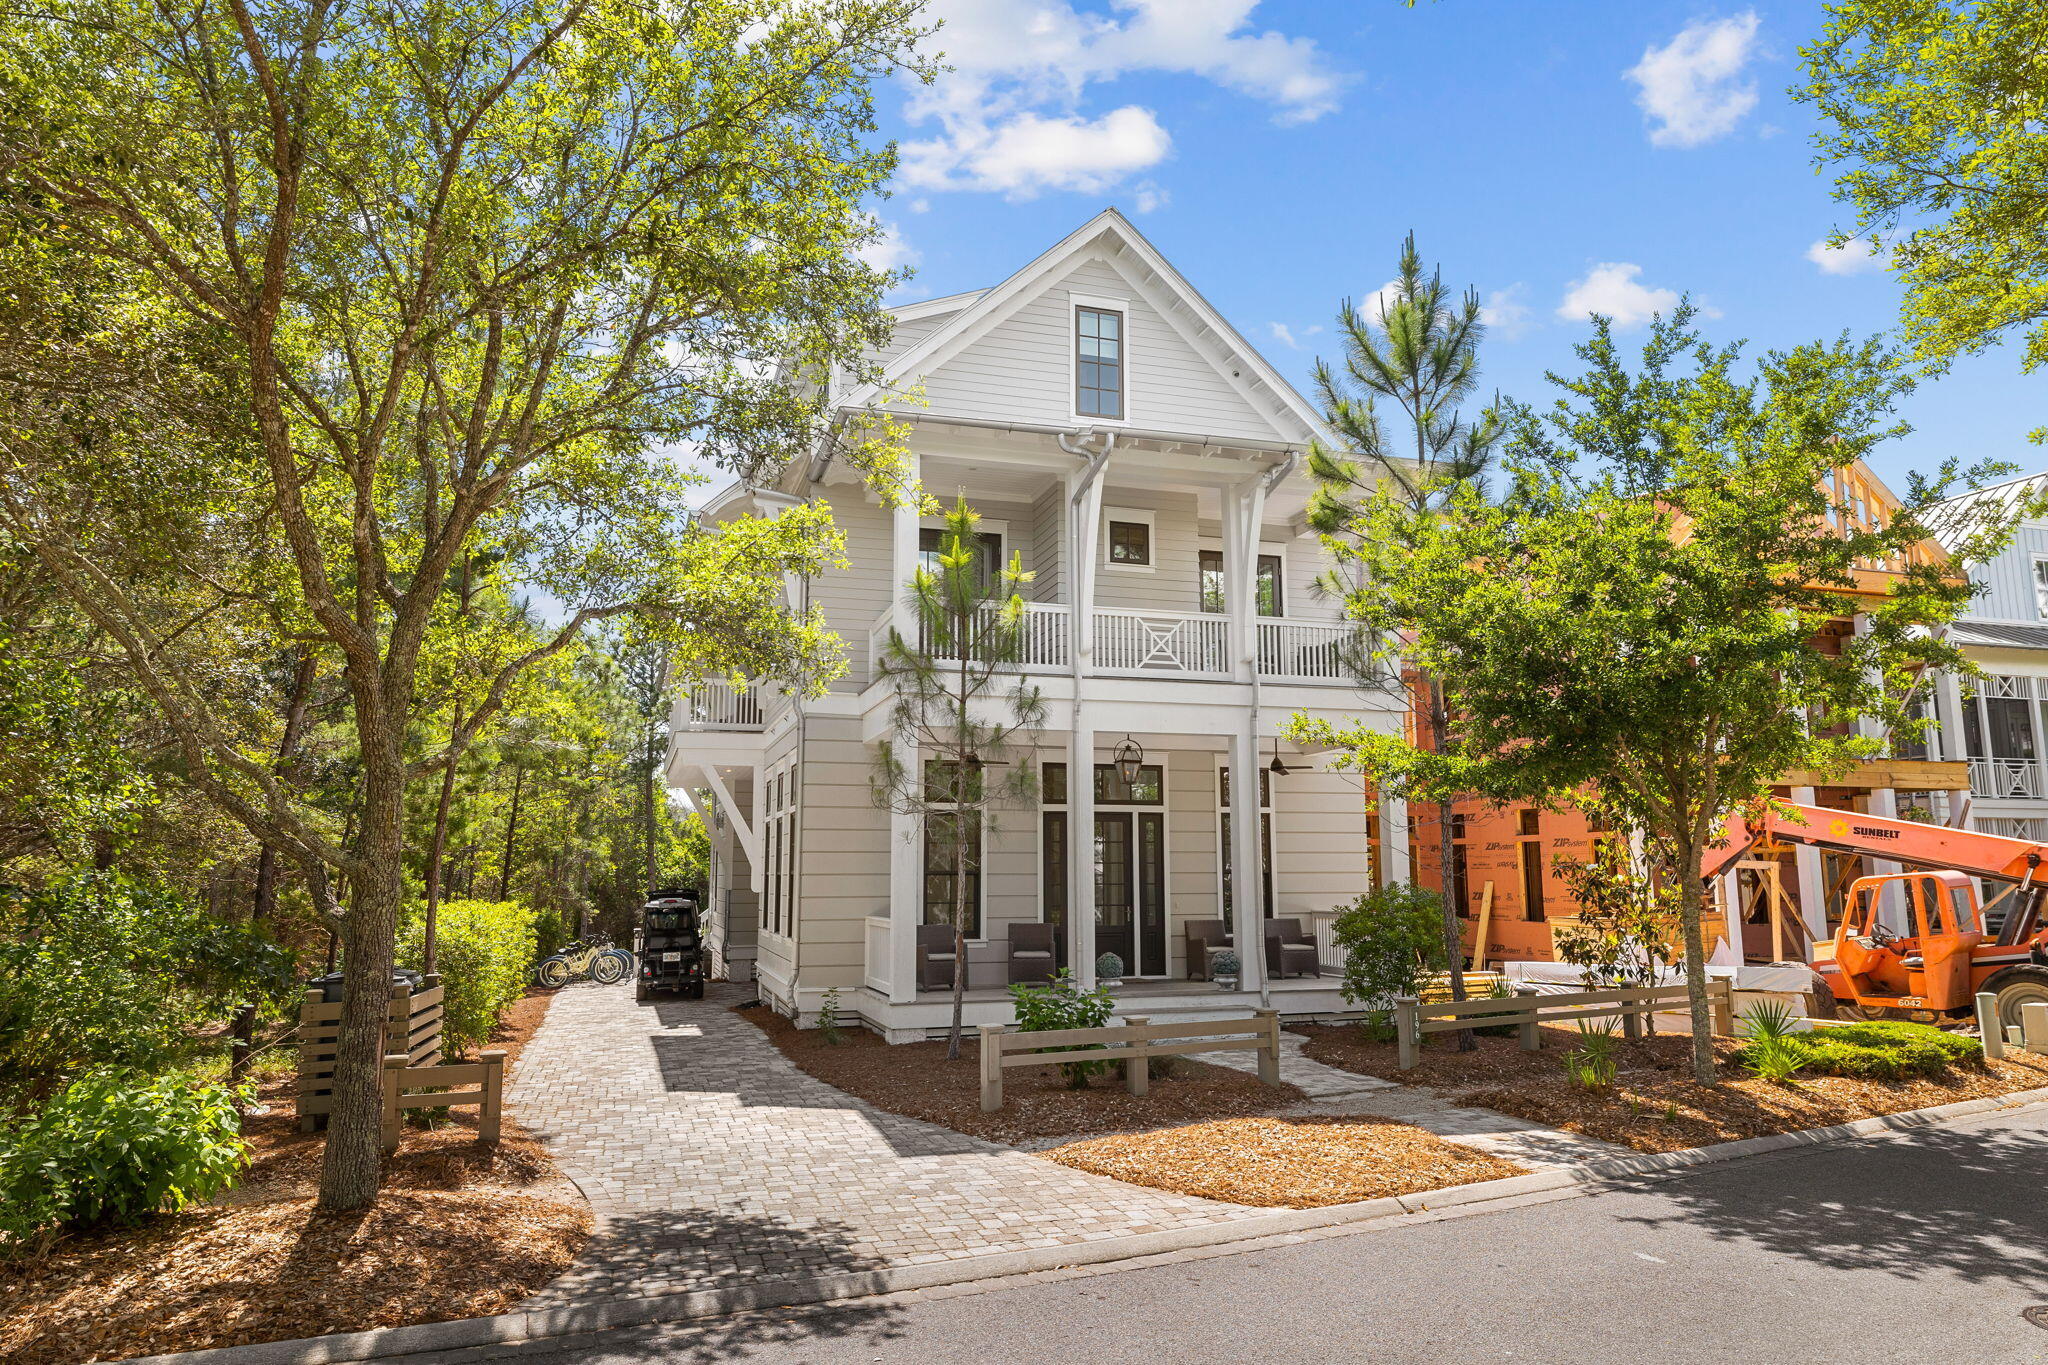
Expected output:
(671, 948)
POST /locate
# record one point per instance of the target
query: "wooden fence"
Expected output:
(414, 1016)
(1133, 1043)
(1528, 1009)
(427, 1087)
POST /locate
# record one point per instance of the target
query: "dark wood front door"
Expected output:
(1130, 889)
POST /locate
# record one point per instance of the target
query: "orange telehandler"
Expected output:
(1935, 969)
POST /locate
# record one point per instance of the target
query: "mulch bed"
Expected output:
(277, 1271)
(460, 1230)
(1287, 1163)
(916, 1080)
(1654, 1104)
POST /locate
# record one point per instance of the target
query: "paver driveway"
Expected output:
(712, 1161)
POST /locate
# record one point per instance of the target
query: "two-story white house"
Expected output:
(1146, 464)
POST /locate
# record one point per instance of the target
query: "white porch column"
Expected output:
(1081, 851)
(1243, 505)
(1083, 488)
(1948, 716)
(1247, 914)
(1812, 889)
(904, 527)
(1393, 841)
(906, 891)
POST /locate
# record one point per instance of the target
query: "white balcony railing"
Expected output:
(1290, 649)
(721, 706)
(2007, 778)
(1162, 642)
(1135, 643)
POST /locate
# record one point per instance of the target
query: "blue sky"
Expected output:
(1557, 155)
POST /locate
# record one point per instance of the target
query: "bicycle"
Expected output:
(597, 960)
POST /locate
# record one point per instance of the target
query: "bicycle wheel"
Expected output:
(609, 968)
(553, 972)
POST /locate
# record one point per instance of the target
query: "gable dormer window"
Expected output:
(1098, 362)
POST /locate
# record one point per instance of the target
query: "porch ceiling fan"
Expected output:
(1276, 767)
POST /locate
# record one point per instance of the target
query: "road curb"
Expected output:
(348, 1348)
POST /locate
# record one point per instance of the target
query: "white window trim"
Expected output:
(1132, 514)
(987, 526)
(1109, 303)
(1266, 547)
(2034, 586)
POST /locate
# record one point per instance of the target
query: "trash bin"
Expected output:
(329, 985)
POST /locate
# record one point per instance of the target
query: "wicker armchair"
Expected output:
(1031, 952)
(1290, 950)
(1206, 938)
(935, 959)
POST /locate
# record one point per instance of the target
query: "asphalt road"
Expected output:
(1920, 1247)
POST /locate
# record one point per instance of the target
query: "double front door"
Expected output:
(1130, 887)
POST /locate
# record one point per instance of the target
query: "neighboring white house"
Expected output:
(1146, 463)
(2000, 723)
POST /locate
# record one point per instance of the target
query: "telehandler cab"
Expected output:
(1946, 954)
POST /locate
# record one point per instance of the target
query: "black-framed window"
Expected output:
(931, 543)
(942, 781)
(942, 829)
(1272, 594)
(1265, 838)
(1130, 542)
(1098, 362)
(1110, 789)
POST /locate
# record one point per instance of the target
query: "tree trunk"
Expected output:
(1691, 914)
(350, 1172)
(511, 829)
(959, 927)
(1454, 930)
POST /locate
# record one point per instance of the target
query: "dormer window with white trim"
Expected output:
(1098, 362)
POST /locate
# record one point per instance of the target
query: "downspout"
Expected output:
(1074, 443)
(1272, 480)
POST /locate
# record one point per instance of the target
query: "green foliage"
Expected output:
(1775, 1057)
(1644, 633)
(1392, 939)
(1888, 1050)
(485, 949)
(1109, 967)
(1933, 113)
(1062, 1004)
(1767, 1019)
(113, 1149)
(1497, 989)
(104, 971)
(1593, 1062)
(1224, 963)
(1627, 921)
(828, 1018)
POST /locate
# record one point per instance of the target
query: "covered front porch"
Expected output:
(930, 1013)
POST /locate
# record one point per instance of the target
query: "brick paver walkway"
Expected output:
(712, 1161)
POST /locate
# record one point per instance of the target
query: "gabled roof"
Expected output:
(1954, 521)
(975, 311)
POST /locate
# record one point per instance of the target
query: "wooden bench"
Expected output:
(1528, 1009)
(1133, 1043)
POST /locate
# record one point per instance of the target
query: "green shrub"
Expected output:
(1062, 1005)
(1776, 1056)
(1497, 989)
(112, 1149)
(484, 950)
(101, 970)
(1392, 939)
(1592, 1064)
(1888, 1050)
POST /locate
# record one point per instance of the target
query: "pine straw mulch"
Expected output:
(916, 1081)
(461, 1230)
(1654, 1104)
(1287, 1163)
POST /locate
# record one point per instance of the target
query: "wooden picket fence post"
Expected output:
(487, 1074)
(1138, 1070)
(412, 1023)
(1530, 1010)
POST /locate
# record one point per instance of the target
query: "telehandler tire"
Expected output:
(2016, 986)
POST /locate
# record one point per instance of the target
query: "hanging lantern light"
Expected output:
(1130, 756)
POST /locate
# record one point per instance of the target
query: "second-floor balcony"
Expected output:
(1134, 643)
(720, 706)
(2008, 779)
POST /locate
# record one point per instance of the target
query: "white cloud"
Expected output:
(1032, 153)
(1691, 89)
(889, 251)
(1147, 196)
(1021, 69)
(1853, 257)
(1506, 312)
(1374, 305)
(1611, 288)
(1283, 334)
